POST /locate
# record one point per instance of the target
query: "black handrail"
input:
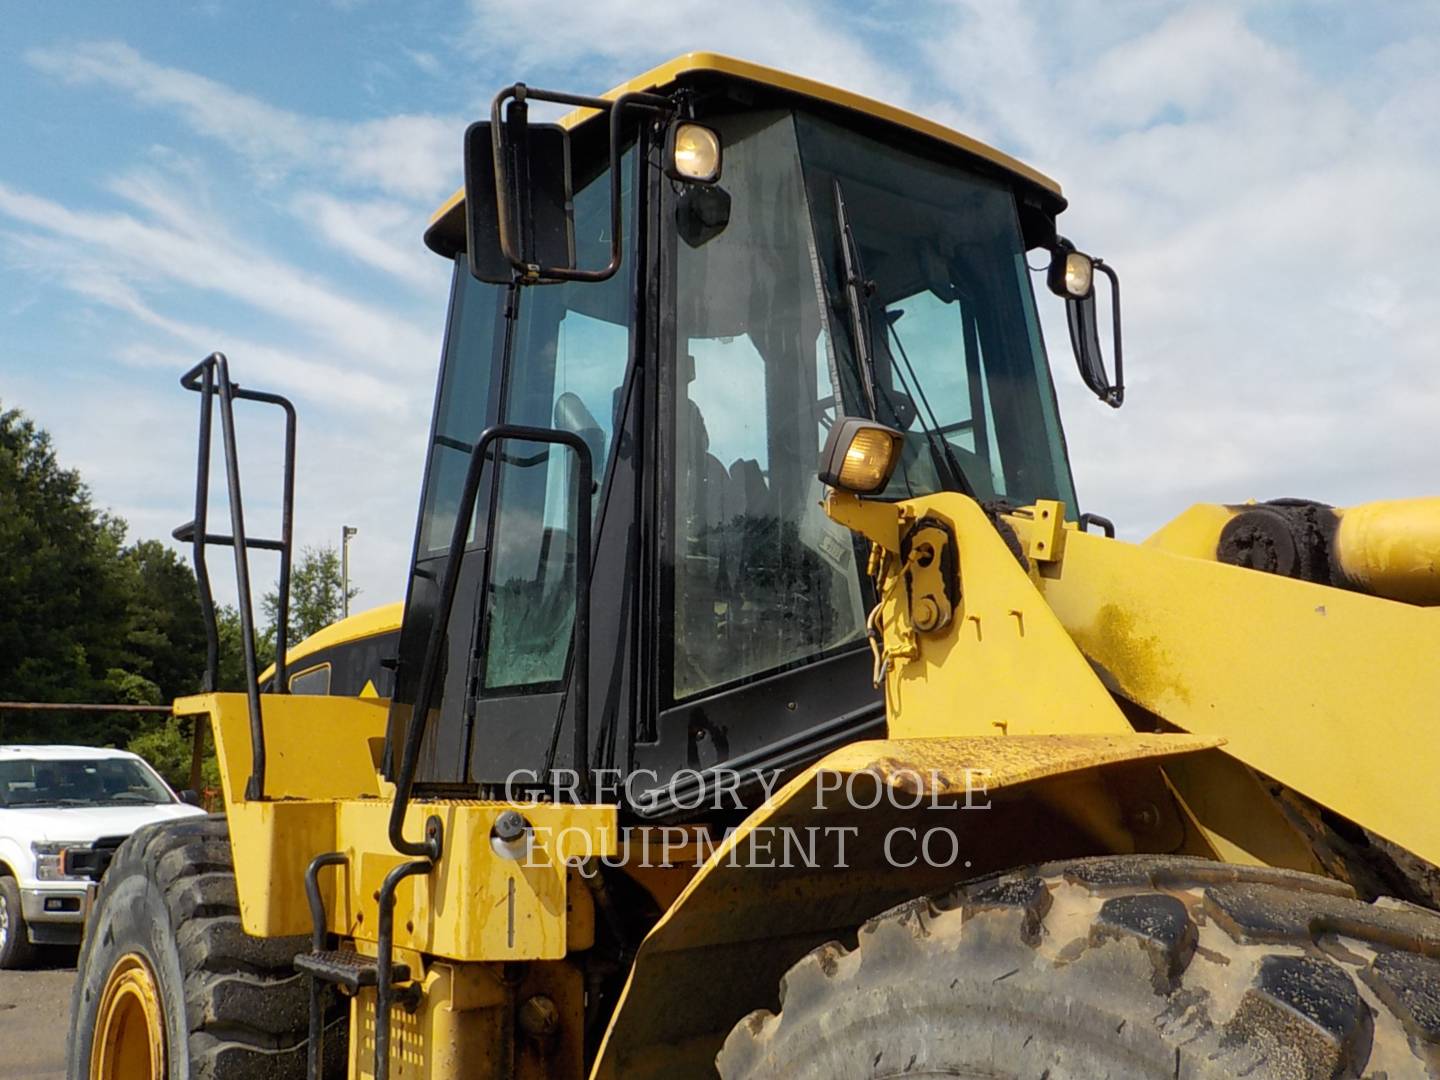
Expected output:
(319, 935)
(211, 379)
(449, 579)
(385, 960)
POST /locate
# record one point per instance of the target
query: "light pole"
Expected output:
(346, 532)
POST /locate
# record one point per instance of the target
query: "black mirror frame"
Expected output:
(1083, 320)
(528, 271)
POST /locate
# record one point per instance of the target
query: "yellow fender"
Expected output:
(868, 827)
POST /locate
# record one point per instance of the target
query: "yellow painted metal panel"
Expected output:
(1392, 548)
(1331, 692)
(464, 1026)
(1240, 819)
(474, 906)
(1004, 664)
(272, 843)
(316, 747)
(384, 619)
(1193, 533)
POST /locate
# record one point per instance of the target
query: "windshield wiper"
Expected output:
(938, 443)
(857, 296)
(858, 289)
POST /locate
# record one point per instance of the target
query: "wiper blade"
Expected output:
(857, 293)
(858, 289)
(938, 443)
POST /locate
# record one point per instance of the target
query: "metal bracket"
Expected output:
(932, 574)
(1047, 531)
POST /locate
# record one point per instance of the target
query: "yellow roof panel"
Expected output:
(697, 62)
(384, 619)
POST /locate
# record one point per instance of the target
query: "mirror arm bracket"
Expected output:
(520, 94)
(1115, 395)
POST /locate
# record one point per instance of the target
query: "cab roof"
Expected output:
(447, 227)
(384, 619)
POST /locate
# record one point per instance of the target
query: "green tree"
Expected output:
(232, 653)
(82, 617)
(63, 584)
(317, 598)
(168, 747)
(165, 639)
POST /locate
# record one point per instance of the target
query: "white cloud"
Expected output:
(381, 233)
(176, 243)
(1271, 230)
(409, 155)
(616, 39)
(172, 270)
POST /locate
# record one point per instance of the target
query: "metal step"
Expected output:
(348, 969)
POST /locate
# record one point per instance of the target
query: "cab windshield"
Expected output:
(96, 782)
(765, 360)
(959, 364)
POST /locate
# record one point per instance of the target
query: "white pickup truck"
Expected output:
(63, 812)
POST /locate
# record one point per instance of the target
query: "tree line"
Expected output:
(88, 615)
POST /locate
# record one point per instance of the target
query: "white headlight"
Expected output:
(1079, 274)
(694, 154)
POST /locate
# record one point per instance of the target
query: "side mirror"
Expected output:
(519, 217)
(518, 211)
(1072, 277)
(191, 797)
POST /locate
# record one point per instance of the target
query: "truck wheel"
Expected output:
(15, 948)
(169, 985)
(1134, 966)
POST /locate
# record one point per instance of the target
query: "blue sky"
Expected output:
(256, 177)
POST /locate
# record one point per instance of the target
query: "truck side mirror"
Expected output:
(1072, 276)
(518, 214)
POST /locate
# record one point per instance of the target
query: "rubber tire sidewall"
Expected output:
(134, 919)
(18, 951)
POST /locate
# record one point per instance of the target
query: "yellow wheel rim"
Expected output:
(130, 1026)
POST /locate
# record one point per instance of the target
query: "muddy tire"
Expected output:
(166, 930)
(1136, 966)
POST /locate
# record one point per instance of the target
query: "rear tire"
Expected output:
(228, 1006)
(16, 951)
(1137, 966)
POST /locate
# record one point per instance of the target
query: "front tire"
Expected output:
(16, 951)
(1140, 966)
(170, 986)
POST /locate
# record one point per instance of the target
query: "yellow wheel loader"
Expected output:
(762, 705)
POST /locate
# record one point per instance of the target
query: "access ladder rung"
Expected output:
(186, 535)
(348, 969)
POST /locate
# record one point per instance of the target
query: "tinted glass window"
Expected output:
(314, 681)
(460, 409)
(95, 782)
(572, 346)
(762, 578)
(959, 363)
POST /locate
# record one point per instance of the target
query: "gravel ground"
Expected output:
(35, 1018)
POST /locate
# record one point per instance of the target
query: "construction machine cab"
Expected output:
(697, 326)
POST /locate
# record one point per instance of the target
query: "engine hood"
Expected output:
(82, 824)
